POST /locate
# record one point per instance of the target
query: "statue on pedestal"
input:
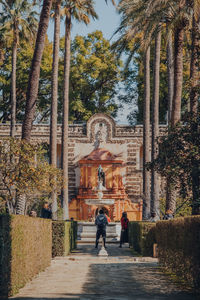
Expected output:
(101, 175)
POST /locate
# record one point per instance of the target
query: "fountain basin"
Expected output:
(99, 202)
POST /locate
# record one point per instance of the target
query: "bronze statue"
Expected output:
(101, 175)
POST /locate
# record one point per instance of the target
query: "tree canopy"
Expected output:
(134, 80)
(179, 158)
(23, 67)
(95, 78)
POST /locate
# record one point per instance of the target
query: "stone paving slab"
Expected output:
(120, 276)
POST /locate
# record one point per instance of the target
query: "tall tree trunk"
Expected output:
(176, 105)
(146, 134)
(170, 190)
(66, 116)
(13, 84)
(194, 95)
(195, 190)
(178, 75)
(54, 103)
(170, 75)
(155, 207)
(171, 194)
(194, 67)
(33, 82)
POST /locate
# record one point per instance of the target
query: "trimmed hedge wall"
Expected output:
(64, 235)
(179, 248)
(25, 250)
(142, 236)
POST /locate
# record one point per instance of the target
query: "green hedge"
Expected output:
(142, 236)
(179, 248)
(25, 250)
(64, 235)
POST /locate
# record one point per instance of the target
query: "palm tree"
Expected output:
(195, 48)
(194, 95)
(175, 13)
(181, 21)
(170, 73)
(146, 137)
(54, 101)
(170, 203)
(19, 18)
(177, 19)
(34, 74)
(178, 74)
(81, 10)
(155, 213)
(134, 21)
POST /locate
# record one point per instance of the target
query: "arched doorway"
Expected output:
(105, 210)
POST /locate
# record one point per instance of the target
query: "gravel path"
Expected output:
(120, 276)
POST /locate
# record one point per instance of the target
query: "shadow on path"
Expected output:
(110, 278)
(131, 281)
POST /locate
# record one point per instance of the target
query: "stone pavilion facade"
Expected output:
(118, 149)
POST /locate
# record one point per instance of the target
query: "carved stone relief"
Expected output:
(101, 134)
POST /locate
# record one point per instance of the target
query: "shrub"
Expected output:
(27, 172)
(179, 247)
(25, 250)
(64, 237)
(142, 237)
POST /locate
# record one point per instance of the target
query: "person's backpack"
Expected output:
(101, 221)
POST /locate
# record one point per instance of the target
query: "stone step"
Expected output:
(87, 232)
(93, 234)
(92, 241)
(94, 229)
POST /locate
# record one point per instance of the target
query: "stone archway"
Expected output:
(105, 210)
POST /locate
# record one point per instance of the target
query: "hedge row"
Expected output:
(25, 250)
(179, 248)
(142, 236)
(64, 237)
(178, 243)
(27, 246)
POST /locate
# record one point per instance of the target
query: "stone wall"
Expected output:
(100, 131)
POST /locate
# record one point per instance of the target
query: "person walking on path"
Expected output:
(124, 230)
(101, 222)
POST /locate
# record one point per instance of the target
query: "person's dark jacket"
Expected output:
(46, 213)
(101, 221)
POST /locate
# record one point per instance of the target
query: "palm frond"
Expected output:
(113, 2)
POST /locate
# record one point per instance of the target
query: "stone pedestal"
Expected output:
(103, 252)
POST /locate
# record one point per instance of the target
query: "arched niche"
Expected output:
(100, 127)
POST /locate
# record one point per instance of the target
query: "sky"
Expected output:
(108, 22)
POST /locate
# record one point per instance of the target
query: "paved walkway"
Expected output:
(120, 276)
